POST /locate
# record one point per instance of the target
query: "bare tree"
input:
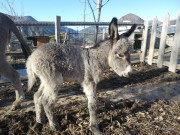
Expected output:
(99, 4)
(8, 6)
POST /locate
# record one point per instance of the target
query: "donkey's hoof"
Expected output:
(37, 127)
(16, 107)
(55, 127)
(17, 104)
(95, 130)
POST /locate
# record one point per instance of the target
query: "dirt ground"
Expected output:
(147, 103)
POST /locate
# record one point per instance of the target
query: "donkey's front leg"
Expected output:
(90, 91)
(10, 73)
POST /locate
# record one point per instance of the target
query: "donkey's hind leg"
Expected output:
(51, 88)
(40, 114)
(89, 88)
(7, 71)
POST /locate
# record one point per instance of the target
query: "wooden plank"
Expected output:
(152, 41)
(104, 34)
(165, 63)
(175, 47)
(144, 42)
(167, 50)
(163, 41)
(57, 29)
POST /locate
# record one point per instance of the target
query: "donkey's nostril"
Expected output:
(128, 69)
(126, 75)
(130, 73)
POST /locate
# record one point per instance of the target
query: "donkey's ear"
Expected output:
(130, 31)
(113, 29)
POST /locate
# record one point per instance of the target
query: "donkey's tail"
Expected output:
(30, 74)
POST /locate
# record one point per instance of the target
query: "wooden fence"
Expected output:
(58, 24)
(148, 54)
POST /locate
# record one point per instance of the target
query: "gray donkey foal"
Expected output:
(55, 63)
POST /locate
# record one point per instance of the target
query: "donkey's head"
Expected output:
(119, 56)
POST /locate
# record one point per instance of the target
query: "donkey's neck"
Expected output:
(96, 59)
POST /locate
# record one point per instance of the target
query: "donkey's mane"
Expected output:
(101, 43)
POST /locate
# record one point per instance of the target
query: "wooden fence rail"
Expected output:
(42, 23)
(58, 24)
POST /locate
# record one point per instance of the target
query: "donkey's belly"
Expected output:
(73, 76)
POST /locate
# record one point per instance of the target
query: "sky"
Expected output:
(73, 10)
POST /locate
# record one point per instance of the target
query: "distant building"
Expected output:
(129, 18)
(132, 18)
(39, 40)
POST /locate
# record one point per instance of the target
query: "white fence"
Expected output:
(174, 49)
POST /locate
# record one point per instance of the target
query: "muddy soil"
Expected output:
(126, 116)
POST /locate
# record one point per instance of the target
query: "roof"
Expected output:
(36, 37)
(131, 18)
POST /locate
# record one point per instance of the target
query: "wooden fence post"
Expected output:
(104, 34)
(144, 42)
(163, 41)
(152, 41)
(66, 37)
(57, 29)
(175, 47)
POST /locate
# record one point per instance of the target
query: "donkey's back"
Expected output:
(50, 60)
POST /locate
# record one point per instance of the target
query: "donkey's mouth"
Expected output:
(124, 74)
(127, 71)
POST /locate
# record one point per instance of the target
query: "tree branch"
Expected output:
(94, 2)
(8, 5)
(105, 3)
(92, 11)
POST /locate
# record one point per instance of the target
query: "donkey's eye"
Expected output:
(126, 53)
(120, 55)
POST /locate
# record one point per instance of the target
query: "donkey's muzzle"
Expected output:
(127, 71)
